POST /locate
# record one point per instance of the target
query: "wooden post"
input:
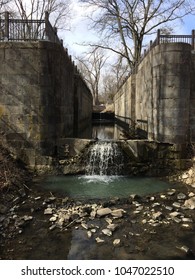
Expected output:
(7, 26)
(193, 38)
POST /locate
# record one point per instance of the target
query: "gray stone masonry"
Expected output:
(160, 98)
(43, 99)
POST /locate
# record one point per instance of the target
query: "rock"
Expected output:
(53, 219)
(177, 220)
(163, 196)
(171, 192)
(116, 242)
(107, 232)
(103, 212)
(93, 214)
(181, 196)
(136, 212)
(139, 208)
(37, 198)
(190, 203)
(89, 234)
(85, 226)
(185, 249)
(16, 200)
(174, 214)
(155, 204)
(186, 226)
(51, 199)
(135, 196)
(108, 220)
(170, 208)
(65, 200)
(184, 176)
(27, 218)
(187, 220)
(191, 194)
(112, 227)
(117, 213)
(52, 227)
(99, 240)
(158, 216)
(176, 204)
(48, 211)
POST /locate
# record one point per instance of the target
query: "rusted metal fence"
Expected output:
(27, 29)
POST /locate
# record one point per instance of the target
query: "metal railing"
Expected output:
(166, 39)
(27, 29)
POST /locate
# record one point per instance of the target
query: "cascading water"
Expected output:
(105, 158)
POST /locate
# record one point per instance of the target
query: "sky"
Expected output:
(80, 31)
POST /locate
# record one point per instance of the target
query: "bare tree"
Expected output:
(59, 10)
(91, 65)
(128, 22)
(4, 5)
(113, 78)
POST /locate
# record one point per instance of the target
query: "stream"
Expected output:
(99, 215)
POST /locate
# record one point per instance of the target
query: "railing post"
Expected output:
(6, 26)
(193, 38)
(158, 36)
(47, 25)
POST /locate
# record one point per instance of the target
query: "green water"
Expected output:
(98, 187)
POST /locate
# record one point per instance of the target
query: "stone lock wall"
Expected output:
(162, 95)
(38, 94)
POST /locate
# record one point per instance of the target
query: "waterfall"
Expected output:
(105, 158)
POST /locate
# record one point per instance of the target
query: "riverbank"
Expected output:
(37, 224)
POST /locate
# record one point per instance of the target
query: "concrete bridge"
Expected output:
(43, 98)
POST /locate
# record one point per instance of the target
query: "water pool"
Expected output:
(98, 187)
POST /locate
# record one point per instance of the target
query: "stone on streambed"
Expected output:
(190, 203)
(181, 196)
(103, 212)
(158, 216)
(112, 227)
(116, 242)
(48, 211)
(107, 232)
(118, 213)
(99, 240)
